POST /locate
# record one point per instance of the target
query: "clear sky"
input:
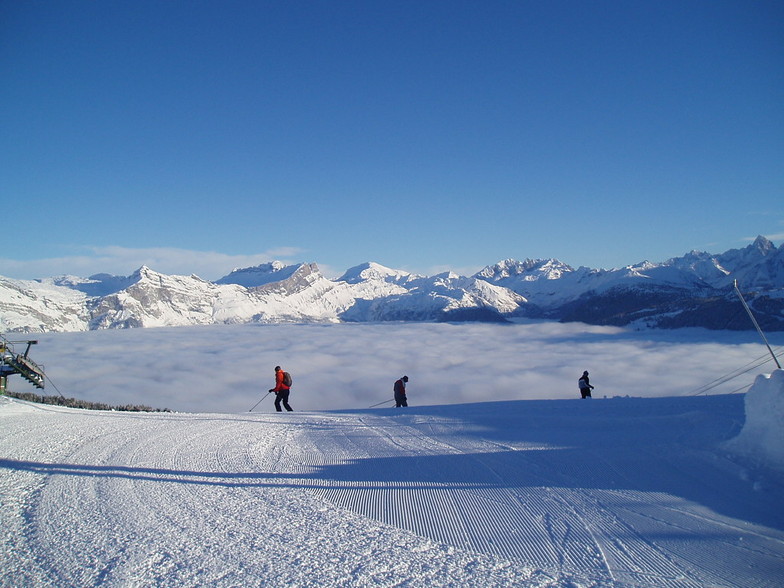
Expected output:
(424, 135)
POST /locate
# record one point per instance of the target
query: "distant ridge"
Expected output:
(694, 290)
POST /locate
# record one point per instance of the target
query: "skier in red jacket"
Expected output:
(281, 390)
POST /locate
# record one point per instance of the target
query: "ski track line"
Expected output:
(625, 559)
(587, 528)
(628, 556)
(635, 557)
(731, 556)
(479, 514)
(683, 559)
(534, 529)
(372, 497)
(569, 549)
(677, 525)
(207, 501)
(117, 499)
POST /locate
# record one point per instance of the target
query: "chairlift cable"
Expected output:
(54, 385)
(760, 361)
(736, 390)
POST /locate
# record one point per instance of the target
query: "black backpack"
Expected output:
(286, 379)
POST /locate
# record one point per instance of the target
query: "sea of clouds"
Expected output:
(228, 368)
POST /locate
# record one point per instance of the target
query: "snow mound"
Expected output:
(762, 436)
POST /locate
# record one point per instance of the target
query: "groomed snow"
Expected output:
(602, 492)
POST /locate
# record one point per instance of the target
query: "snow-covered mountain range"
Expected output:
(693, 290)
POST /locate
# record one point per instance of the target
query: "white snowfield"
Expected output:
(599, 492)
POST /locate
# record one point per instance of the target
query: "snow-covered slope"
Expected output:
(260, 275)
(272, 293)
(374, 272)
(96, 285)
(758, 266)
(29, 306)
(441, 297)
(693, 290)
(615, 493)
(156, 300)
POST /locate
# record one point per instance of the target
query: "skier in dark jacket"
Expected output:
(400, 392)
(585, 385)
(281, 390)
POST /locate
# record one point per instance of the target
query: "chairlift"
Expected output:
(19, 363)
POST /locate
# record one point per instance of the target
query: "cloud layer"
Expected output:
(229, 368)
(123, 261)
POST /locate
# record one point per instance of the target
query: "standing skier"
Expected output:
(400, 392)
(585, 385)
(282, 389)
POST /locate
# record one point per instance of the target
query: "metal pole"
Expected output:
(380, 403)
(259, 402)
(753, 320)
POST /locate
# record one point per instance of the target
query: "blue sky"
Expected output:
(198, 136)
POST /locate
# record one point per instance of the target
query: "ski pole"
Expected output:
(259, 402)
(380, 403)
